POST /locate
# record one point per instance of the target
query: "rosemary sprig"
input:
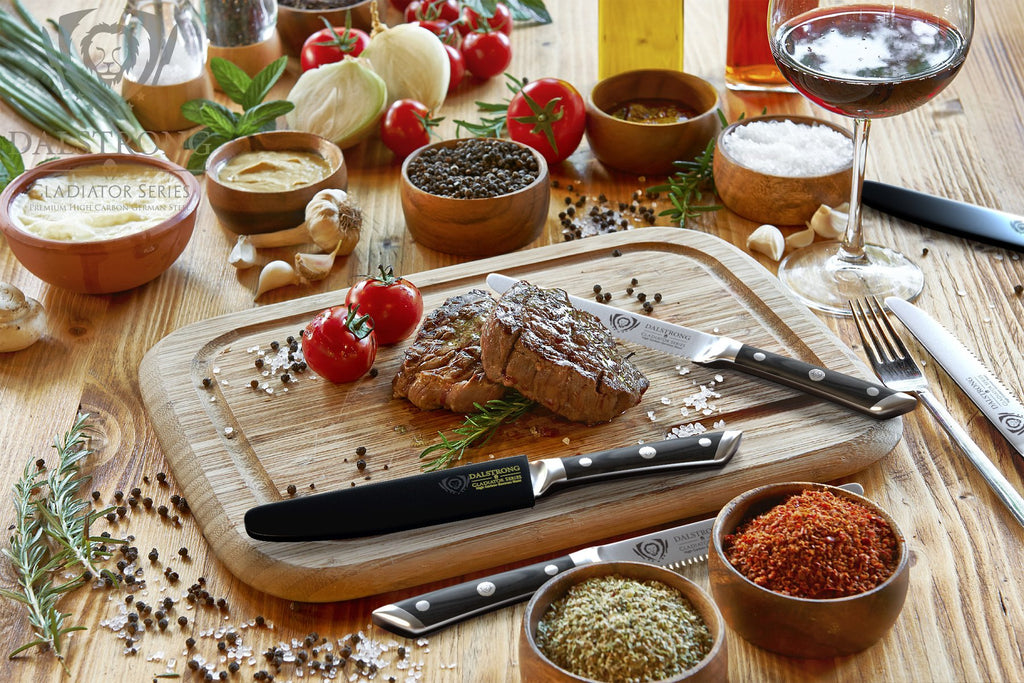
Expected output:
(491, 126)
(477, 429)
(51, 536)
(685, 187)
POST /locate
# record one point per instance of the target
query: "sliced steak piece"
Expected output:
(563, 358)
(442, 367)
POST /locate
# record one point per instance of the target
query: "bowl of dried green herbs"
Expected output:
(808, 570)
(622, 621)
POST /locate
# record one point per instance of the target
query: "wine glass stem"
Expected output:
(852, 247)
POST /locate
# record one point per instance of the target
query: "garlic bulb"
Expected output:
(828, 222)
(411, 60)
(342, 101)
(333, 221)
(767, 240)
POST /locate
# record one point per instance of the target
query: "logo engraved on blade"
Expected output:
(622, 322)
(1018, 225)
(1013, 422)
(653, 550)
(455, 484)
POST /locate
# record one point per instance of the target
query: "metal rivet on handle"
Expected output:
(648, 452)
(759, 356)
(873, 391)
(551, 569)
(586, 462)
(816, 374)
(485, 588)
(422, 605)
(704, 441)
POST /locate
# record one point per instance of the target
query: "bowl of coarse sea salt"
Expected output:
(780, 169)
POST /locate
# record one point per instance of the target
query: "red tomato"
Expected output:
(400, 4)
(501, 20)
(446, 10)
(405, 127)
(329, 45)
(339, 345)
(394, 304)
(486, 54)
(458, 67)
(549, 115)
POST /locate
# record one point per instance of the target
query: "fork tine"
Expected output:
(893, 335)
(872, 344)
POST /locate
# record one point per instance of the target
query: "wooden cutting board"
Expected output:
(232, 446)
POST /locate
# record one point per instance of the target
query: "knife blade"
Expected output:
(675, 548)
(471, 490)
(870, 398)
(995, 401)
(946, 215)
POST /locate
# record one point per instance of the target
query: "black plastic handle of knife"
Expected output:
(710, 448)
(874, 399)
(406, 503)
(422, 614)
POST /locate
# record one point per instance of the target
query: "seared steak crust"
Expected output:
(442, 367)
(561, 357)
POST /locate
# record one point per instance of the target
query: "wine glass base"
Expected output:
(825, 282)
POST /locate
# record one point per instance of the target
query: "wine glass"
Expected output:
(865, 61)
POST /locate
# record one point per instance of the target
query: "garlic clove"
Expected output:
(830, 222)
(767, 240)
(314, 267)
(274, 275)
(801, 239)
(22, 319)
(243, 254)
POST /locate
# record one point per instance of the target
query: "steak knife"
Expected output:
(471, 490)
(674, 548)
(870, 398)
(994, 400)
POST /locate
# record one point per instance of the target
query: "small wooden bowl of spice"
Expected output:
(616, 621)
(475, 197)
(808, 570)
(780, 169)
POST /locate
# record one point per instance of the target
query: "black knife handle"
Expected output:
(406, 503)
(428, 612)
(704, 450)
(876, 400)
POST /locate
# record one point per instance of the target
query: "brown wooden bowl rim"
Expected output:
(630, 569)
(542, 171)
(783, 490)
(334, 156)
(23, 181)
(692, 79)
(795, 118)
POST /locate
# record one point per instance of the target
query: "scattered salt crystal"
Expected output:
(789, 149)
(650, 415)
(666, 400)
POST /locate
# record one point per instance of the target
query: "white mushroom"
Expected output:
(276, 274)
(828, 222)
(22, 319)
(768, 240)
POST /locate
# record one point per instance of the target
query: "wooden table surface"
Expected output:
(964, 615)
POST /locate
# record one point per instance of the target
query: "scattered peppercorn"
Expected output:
(361, 464)
(291, 489)
(95, 495)
(207, 382)
(183, 551)
(361, 450)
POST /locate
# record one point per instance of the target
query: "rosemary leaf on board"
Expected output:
(477, 429)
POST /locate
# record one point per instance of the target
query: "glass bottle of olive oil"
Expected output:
(639, 34)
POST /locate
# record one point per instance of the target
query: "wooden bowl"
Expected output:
(801, 627)
(534, 666)
(107, 265)
(476, 227)
(295, 25)
(650, 147)
(779, 200)
(246, 212)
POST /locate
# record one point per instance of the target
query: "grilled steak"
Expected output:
(563, 358)
(442, 367)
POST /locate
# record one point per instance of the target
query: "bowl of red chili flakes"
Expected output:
(808, 570)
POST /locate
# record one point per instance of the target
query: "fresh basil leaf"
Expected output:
(262, 83)
(529, 10)
(221, 119)
(11, 163)
(231, 78)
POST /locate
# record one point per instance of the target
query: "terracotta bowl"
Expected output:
(650, 147)
(101, 266)
(534, 666)
(295, 25)
(476, 227)
(246, 212)
(800, 627)
(775, 199)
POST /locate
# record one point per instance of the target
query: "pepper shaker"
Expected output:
(243, 32)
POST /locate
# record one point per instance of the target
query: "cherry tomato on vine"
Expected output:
(339, 344)
(549, 115)
(400, 4)
(501, 20)
(405, 127)
(392, 302)
(332, 44)
(486, 54)
(458, 67)
(445, 10)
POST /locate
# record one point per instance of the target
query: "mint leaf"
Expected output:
(11, 163)
(262, 83)
(256, 118)
(230, 77)
(529, 10)
(219, 118)
(203, 150)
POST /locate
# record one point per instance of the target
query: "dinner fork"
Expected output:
(898, 370)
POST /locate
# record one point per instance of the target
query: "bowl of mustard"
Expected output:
(262, 182)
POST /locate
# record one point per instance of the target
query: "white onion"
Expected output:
(413, 63)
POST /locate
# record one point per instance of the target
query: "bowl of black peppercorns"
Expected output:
(475, 197)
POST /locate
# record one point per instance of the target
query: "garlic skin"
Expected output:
(314, 267)
(801, 239)
(767, 240)
(22, 319)
(828, 222)
(243, 254)
(274, 275)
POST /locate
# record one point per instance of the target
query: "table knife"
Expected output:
(994, 400)
(674, 548)
(471, 490)
(871, 398)
(946, 215)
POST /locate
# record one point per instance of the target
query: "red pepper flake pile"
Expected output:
(815, 545)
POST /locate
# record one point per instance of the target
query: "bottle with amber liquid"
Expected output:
(639, 34)
(749, 64)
